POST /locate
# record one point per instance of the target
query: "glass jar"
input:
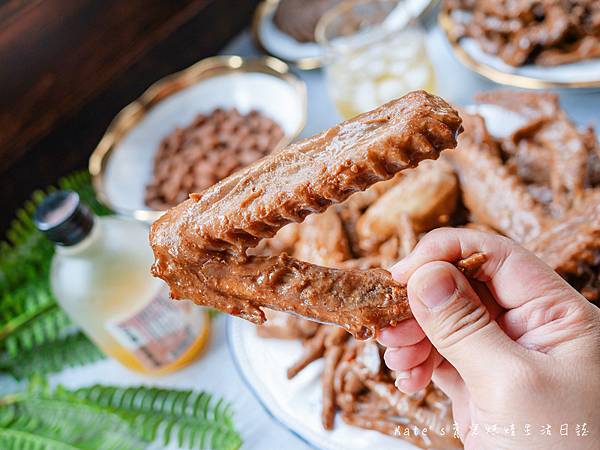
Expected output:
(375, 52)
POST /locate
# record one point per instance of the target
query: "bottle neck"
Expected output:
(89, 243)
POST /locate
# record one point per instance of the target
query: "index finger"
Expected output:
(513, 275)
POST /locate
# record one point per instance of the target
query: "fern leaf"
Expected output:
(49, 326)
(189, 418)
(81, 424)
(64, 419)
(23, 440)
(73, 350)
(22, 306)
(110, 418)
(25, 261)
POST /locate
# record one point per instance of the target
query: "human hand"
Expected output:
(515, 345)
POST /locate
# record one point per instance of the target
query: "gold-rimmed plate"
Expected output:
(583, 74)
(296, 403)
(122, 163)
(304, 55)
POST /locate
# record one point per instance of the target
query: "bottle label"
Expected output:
(160, 332)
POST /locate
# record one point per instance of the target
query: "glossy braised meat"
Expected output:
(539, 185)
(494, 196)
(427, 194)
(573, 241)
(548, 148)
(356, 382)
(200, 246)
(543, 32)
(325, 249)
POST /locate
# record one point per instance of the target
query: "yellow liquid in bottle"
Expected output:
(104, 285)
(129, 360)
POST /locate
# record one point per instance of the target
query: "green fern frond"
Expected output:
(23, 305)
(23, 440)
(66, 420)
(48, 327)
(37, 385)
(73, 350)
(193, 419)
(110, 417)
(27, 261)
(23, 298)
(27, 254)
(80, 424)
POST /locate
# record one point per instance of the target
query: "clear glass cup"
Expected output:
(375, 52)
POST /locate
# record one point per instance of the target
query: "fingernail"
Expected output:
(438, 287)
(401, 375)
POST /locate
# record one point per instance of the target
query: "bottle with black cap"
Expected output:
(100, 276)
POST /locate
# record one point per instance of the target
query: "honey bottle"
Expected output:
(100, 276)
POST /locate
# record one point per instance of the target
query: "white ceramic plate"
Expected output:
(583, 74)
(295, 403)
(499, 121)
(125, 170)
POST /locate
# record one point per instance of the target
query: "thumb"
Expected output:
(457, 323)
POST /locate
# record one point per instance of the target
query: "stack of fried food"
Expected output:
(544, 32)
(538, 186)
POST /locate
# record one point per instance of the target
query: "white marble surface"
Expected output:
(215, 371)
